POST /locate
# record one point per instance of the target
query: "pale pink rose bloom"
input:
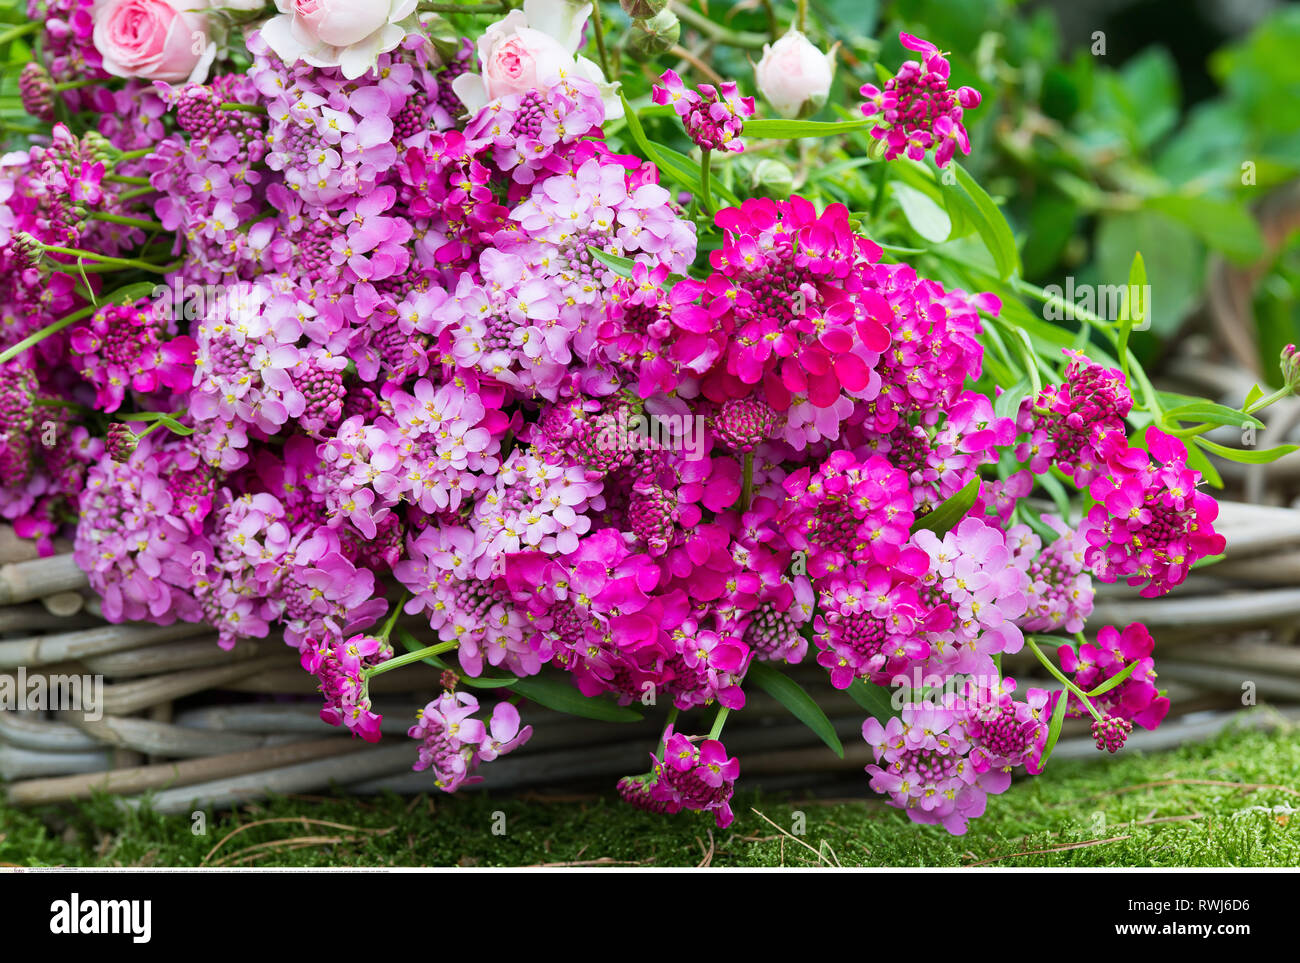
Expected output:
(153, 39)
(794, 76)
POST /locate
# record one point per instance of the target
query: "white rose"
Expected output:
(348, 34)
(532, 49)
(794, 76)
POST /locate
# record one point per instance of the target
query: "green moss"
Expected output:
(1148, 806)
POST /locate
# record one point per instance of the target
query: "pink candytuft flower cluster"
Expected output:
(480, 378)
(916, 110)
(714, 117)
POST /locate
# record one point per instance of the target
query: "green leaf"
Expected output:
(131, 292)
(1223, 225)
(1209, 412)
(794, 129)
(684, 169)
(621, 266)
(927, 218)
(801, 705)
(1008, 402)
(1246, 456)
(1131, 314)
(873, 698)
(174, 426)
(1054, 728)
(1252, 396)
(951, 511)
(975, 202)
(563, 697)
(1114, 680)
(1197, 460)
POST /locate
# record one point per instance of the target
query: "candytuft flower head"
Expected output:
(713, 116)
(916, 111)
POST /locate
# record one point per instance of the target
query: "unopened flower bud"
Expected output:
(642, 9)
(773, 179)
(121, 442)
(649, 38)
(96, 145)
(1291, 368)
(37, 92)
(27, 250)
(794, 76)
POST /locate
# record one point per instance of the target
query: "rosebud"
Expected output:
(794, 76)
(773, 179)
(649, 38)
(1291, 368)
(642, 9)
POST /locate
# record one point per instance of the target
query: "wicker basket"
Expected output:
(194, 726)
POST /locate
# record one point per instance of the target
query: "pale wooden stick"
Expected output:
(372, 763)
(24, 581)
(27, 618)
(1210, 611)
(157, 659)
(124, 698)
(15, 549)
(29, 730)
(164, 739)
(16, 763)
(46, 649)
(144, 778)
(64, 604)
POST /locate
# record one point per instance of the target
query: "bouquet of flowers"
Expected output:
(317, 315)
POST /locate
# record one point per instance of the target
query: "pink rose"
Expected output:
(153, 39)
(339, 23)
(526, 61)
(794, 76)
(532, 49)
(348, 34)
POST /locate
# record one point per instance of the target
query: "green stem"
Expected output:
(417, 656)
(672, 717)
(803, 16)
(137, 192)
(387, 630)
(706, 195)
(734, 38)
(45, 332)
(878, 201)
(247, 108)
(117, 261)
(1060, 677)
(133, 154)
(125, 179)
(21, 30)
(74, 85)
(140, 222)
(501, 7)
(598, 26)
(747, 483)
(719, 721)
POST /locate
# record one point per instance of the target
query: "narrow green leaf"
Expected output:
(174, 426)
(1131, 314)
(1252, 396)
(563, 697)
(1207, 412)
(1246, 456)
(951, 511)
(621, 266)
(481, 682)
(1054, 728)
(990, 223)
(1114, 680)
(927, 218)
(1008, 402)
(801, 705)
(873, 698)
(794, 129)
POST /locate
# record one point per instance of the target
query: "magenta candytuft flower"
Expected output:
(1150, 523)
(714, 117)
(916, 111)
